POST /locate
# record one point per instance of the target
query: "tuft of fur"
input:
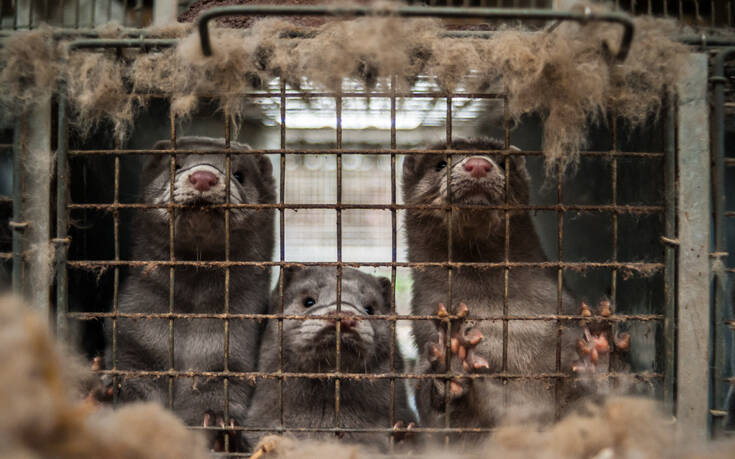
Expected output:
(44, 414)
(30, 64)
(564, 74)
(619, 427)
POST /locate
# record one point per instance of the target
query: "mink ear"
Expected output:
(387, 290)
(521, 180)
(152, 163)
(289, 273)
(264, 165)
(162, 145)
(409, 165)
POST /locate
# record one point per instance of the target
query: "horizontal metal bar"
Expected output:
(297, 152)
(618, 209)
(366, 94)
(121, 43)
(706, 41)
(636, 266)
(417, 11)
(344, 429)
(378, 317)
(141, 374)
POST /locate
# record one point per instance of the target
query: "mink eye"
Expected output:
(239, 176)
(441, 165)
(309, 302)
(177, 166)
(369, 309)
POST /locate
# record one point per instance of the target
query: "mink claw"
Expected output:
(101, 388)
(462, 310)
(622, 341)
(217, 440)
(403, 432)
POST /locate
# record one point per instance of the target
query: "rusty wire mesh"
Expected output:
(621, 206)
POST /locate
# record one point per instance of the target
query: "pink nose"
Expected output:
(478, 167)
(347, 322)
(203, 180)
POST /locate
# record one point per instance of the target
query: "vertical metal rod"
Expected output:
(338, 330)
(62, 182)
(394, 243)
(614, 190)
(282, 228)
(226, 344)
(506, 250)
(116, 273)
(172, 257)
(559, 272)
(450, 301)
(670, 320)
(719, 328)
(17, 208)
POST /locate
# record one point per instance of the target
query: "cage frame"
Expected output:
(677, 188)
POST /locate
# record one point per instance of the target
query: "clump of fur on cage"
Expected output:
(44, 414)
(564, 74)
(621, 427)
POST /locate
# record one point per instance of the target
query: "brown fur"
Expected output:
(44, 414)
(563, 75)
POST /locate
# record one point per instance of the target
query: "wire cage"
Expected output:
(613, 229)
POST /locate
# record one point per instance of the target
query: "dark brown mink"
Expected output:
(199, 234)
(309, 346)
(479, 235)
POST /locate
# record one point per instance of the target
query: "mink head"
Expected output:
(477, 178)
(200, 181)
(310, 343)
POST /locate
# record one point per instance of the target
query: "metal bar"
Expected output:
(121, 43)
(692, 401)
(226, 344)
(36, 145)
(400, 151)
(450, 278)
(645, 267)
(62, 215)
(172, 256)
(282, 244)
(719, 328)
(417, 11)
(379, 317)
(17, 225)
(338, 325)
(670, 321)
(364, 376)
(394, 253)
(572, 208)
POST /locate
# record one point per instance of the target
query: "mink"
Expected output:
(479, 235)
(199, 234)
(309, 346)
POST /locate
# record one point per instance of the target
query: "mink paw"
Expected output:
(403, 432)
(595, 343)
(100, 388)
(462, 358)
(224, 438)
